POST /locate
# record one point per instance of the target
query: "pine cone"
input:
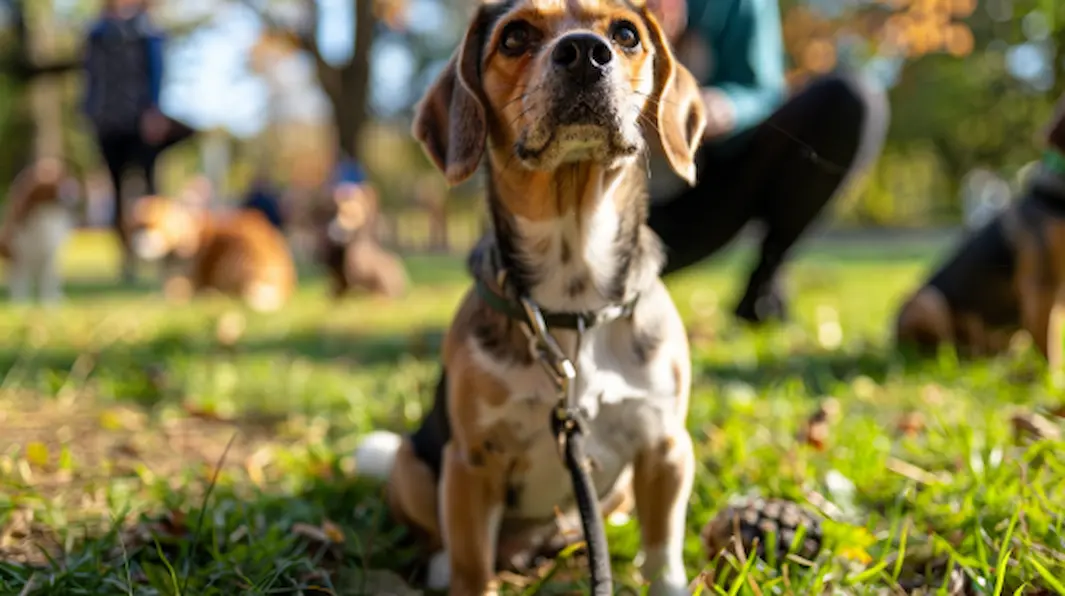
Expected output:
(756, 519)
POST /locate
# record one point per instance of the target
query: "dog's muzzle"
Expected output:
(582, 64)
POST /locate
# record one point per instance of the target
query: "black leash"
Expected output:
(567, 423)
(569, 431)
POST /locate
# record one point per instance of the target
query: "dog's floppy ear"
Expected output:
(677, 107)
(450, 121)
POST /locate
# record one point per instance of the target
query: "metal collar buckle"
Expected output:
(565, 418)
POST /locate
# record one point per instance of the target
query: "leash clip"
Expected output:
(545, 347)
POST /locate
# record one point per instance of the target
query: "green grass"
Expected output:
(142, 452)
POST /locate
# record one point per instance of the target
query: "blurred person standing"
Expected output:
(263, 196)
(766, 157)
(124, 75)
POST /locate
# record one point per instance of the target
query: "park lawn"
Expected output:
(148, 448)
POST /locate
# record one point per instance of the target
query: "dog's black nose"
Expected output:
(585, 56)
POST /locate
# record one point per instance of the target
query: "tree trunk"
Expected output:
(46, 100)
(36, 101)
(351, 104)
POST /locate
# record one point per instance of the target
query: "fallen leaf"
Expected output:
(313, 533)
(204, 412)
(856, 553)
(256, 463)
(238, 534)
(1058, 412)
(37, 454)
(910, 424)
(173, 523)
(1033, 426)
(817, 430)
(333, 532)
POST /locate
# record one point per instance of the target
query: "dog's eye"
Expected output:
(516, 38)
(625, 35)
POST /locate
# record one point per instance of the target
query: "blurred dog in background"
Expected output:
(349, 247)
(1007, 276)
(238, 253)
(38, 221)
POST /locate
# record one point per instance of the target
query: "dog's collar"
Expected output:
(1054, 161)
(566, 320)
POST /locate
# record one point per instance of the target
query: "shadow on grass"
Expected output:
(366, 349)
(819, 372)
(141, 372)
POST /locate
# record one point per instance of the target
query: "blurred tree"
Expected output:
(345, 84)
(971, 84)
(32, 123)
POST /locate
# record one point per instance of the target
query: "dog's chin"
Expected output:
(551, 147)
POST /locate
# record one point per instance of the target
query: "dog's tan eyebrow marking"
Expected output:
(557, 9)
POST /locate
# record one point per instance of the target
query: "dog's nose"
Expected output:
(585, 56)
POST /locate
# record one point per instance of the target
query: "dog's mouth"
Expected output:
(584, 126)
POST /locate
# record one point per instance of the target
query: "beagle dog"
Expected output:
(562, 99)
(239, 254)
(1006, 277)
(350, 250)
(38, 221)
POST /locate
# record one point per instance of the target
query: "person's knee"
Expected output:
(855, 107)
(845, 94)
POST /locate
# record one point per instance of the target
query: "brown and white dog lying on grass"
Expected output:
(350, 249)
(38, 220)
(562, 99)
(1006, 277)
(238, 253)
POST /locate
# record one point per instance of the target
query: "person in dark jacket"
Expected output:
(766, 157)
(263, 197)
(124, 74)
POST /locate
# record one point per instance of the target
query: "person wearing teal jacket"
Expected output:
(768, 156)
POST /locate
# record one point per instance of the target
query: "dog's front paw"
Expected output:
(665, 570)
(439, 572)
(670, 586)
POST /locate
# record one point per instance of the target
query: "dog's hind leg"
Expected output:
(50, 280)
(19, 281)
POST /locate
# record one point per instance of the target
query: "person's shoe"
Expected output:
(758, 308)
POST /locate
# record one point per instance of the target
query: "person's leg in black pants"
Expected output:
(120, 152)
(790, 167)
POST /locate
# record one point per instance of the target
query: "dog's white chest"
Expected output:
(43, 232)
(628, 407)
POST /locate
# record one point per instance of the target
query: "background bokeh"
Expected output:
(274, 82)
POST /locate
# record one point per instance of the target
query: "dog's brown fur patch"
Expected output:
(39, 185)
(238, 253)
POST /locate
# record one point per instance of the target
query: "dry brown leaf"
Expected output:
(910, 424)
(256, 463)
(333, 532)
(818, 427)
(173, 523)
(204, 412)
(1033, 426)
(326, 534)
(1058, 411)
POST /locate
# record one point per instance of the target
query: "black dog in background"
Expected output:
(1007, 276)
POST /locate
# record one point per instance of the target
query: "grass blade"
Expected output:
(1048, 577)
